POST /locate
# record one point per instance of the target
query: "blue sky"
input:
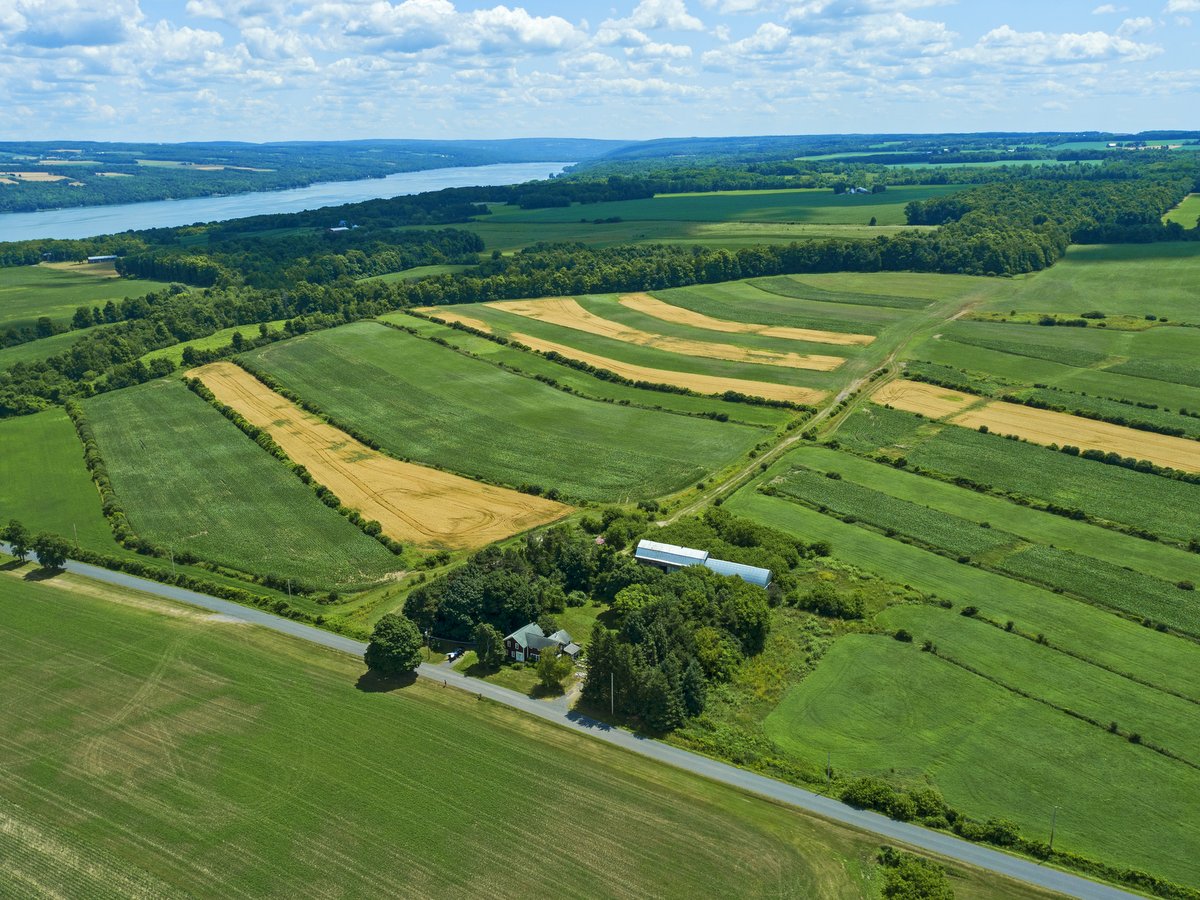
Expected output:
(329, 69)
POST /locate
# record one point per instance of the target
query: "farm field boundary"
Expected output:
(652, 306)
(567, 313)
(704, 384)
(412, 503)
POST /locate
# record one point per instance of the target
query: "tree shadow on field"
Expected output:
(370, 682)
(42, 574)
(13, 564)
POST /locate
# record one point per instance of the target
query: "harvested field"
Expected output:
(34, 176)
(927, 399)
(435, 312)
(567, 313)
(1042, 426)
(652, 306)
(413, 503)
(704, 384)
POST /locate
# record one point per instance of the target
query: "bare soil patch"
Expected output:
(652, 306)
(1043, 426)
(704, 384)
(34, 176)
(413, 503)
(926, 399)
(566, 312)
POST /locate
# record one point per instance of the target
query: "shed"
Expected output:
(668, 556)
(751, 574)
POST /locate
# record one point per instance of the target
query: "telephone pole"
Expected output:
(1053, 822)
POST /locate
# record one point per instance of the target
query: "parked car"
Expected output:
(454, 654)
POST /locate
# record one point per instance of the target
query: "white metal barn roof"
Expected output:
(669, 554)
(673, 555)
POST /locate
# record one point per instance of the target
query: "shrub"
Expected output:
(903, 635)
(970, 611)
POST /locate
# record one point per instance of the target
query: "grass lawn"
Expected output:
(155, 750)
(217, 339)
(587, 385)
(880, 706)
(432, 405)
(27, 292)
(191, 481)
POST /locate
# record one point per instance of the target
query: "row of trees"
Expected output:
(50, 550)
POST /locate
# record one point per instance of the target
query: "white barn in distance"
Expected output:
(670, 557)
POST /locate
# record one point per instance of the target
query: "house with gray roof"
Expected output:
(527, 644)
(670, 557)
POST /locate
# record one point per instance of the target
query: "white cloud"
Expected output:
(1182, 6)
(1039, 48)
(1105, 9)
(1131, 27)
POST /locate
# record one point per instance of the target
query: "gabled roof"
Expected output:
(669, 554)
(561, 637)
(752, 574)
(531, 637)
(572, 649)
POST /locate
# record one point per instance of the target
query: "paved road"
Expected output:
(901, 832)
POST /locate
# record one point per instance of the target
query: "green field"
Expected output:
(818, 206)
(879, 706)
(44, 483)
(27, 292)
(176, 769)
(1186, 213)
(190, 481)
(417, 272)
(42, 349)
(432, 405)
(213, 341)
(586, 385)
(1160, 505)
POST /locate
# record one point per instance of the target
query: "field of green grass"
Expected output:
(430, 404)
(876, 705)
(1168, 508)
(44, 483)
(816, 206)
(417, 272)
(1187, 213)
(175, 769)
(586, 385)
(42, 349)
(217, 339)
(190, 480)
(28, 292)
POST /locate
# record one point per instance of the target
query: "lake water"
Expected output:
(93, 220)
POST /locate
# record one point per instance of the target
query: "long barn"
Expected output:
(670, 557)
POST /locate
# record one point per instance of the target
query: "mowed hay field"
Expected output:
(566, 312)
(652, 306)
(1186, 213)
(191, 481)
(161, 751)
(27, 292)
(431, 404)
(927, 399)
(880, 706)
(412, 503)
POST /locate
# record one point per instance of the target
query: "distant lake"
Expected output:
(88, 221)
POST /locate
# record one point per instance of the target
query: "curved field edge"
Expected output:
(430, 404)
(190, 481)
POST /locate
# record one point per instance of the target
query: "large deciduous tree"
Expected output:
(395, 647)
(18, 538)
(51, 550)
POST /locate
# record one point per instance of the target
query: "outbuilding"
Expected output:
(670, 557)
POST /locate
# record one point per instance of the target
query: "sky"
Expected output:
(260, 70)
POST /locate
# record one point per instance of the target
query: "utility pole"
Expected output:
(828, 768)
(612, 693)
(75, 529)
(1053, 822)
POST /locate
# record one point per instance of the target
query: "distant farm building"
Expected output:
(527, 644)
(670, 557)
(102, 259)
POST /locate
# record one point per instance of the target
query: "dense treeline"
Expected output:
(674, 634)
(314, 257)
(1121, 203)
